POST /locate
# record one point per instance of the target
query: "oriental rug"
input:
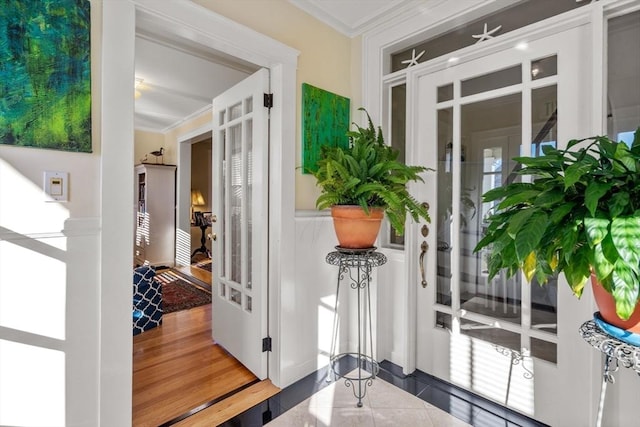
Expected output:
(178, 293)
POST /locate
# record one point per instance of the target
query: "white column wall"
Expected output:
(307, 305)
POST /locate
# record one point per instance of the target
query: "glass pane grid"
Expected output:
(544, 67)
(544, 350)
(235, 111)
(223, 197)
(398, 141)
(249, 199)
(445, 93)
(495, 80)
(236, 203)
(235, 296)
(444, 225)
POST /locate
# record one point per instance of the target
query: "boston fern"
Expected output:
(368, 174)
(579, 214)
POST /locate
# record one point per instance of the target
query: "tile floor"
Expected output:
(423, 399)
(384, 405)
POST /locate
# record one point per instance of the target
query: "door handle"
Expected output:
(423, 251)
(214, 236)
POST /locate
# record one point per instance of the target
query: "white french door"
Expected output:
(510, 341)
(240, 239)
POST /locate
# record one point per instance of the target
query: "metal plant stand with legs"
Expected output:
(616, 353)
(355, 265)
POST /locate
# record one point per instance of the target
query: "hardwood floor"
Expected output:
(177, 367)
(198, 273)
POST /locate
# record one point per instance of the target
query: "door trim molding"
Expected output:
(201, 25)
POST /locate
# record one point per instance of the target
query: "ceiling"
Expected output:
(172, 85)
(353, 17)
(177, 79)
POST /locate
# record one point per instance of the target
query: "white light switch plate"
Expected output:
(56, 186)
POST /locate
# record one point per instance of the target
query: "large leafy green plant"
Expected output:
(579, 214)
(368, 173)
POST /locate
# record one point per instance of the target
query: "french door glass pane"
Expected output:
(445, 221)
(544, 350)
(235, 111)
(623, 90)
(398, 135)
(223, 189)
(544, 125)
(236, 200)
(495, 335)
(544, 67)
(249, 198)
(445, 93)
(495, 80)
(490, 132)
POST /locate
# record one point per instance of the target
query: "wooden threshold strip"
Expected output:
(226, 409)
(207, 404)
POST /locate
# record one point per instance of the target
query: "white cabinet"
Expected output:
(155, 214)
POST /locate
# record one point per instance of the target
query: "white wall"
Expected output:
(309, 302)
(49, 283)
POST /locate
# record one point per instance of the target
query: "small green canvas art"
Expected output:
(325, 121)
(45, 74)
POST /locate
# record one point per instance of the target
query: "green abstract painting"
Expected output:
(325, 121)
(45, 74)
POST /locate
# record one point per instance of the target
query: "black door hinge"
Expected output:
(266, 344)
(268, 100)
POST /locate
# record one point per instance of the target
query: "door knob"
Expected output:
(423, 251)
(424, 230)
(214, 236)
(214, 218)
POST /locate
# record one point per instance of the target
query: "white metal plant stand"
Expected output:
(616, 353)
(355, 265)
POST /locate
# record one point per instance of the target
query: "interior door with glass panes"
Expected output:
(240, 223)
(505, 339)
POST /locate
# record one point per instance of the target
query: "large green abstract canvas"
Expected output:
(325, 121)
(45, 74)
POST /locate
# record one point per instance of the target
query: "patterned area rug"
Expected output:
(180, 294)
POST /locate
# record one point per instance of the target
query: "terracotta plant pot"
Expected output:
(354, 228)
(607, 307)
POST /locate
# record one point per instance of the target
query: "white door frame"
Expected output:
(203, 26)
